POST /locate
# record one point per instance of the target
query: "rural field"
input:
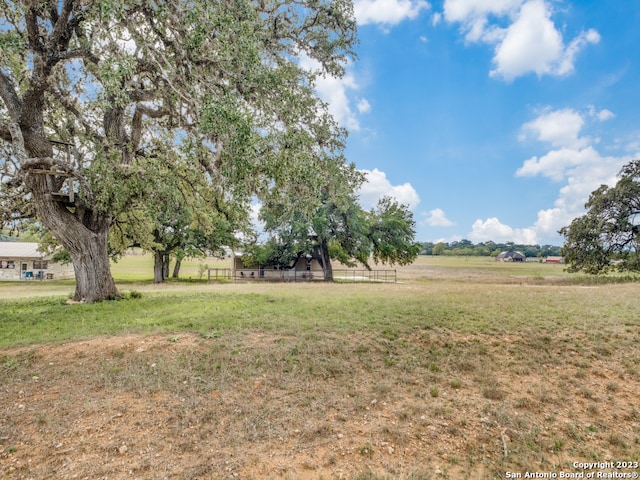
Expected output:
(463, 369)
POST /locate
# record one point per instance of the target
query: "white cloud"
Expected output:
(467, 11)
(605, 115)
(436, 19)
(630, 143)
(530, 41)
(493, 230)
(560, 128)
(585, 176)
(581, 167)
(255, 222)
(557, 164)
(436, 218)
(565, 66)
(474, 16)
(572, 160)
(574, 155)
(378, 185)
(334, 91)
(602, 115)
(363, 106)
(388, 12)
(254, 215)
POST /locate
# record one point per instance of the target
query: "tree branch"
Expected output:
(5, 133)
(143, 95)
(75, 53)
(67, 104)
(61, 23)
(31, 20)
(136, 122)
(53, 11)
(152, 112)
(9, 96)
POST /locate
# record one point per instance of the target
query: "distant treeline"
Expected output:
(487, 249)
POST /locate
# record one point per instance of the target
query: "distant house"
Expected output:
(23, 261)
(510, 256)
(554, 259)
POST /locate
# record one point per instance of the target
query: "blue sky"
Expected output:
(492, 119)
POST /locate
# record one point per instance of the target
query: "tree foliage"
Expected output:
(392, 233)
(487, 249)
(330, 218)
(98, 94)
(607, 236)
(337, 228)
(178, 216)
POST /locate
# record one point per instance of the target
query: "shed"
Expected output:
(510, 256)
(304, 267)
(23, 261)
(554, 259)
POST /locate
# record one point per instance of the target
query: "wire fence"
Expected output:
(340, 275)
(365, 275)
(219, 274)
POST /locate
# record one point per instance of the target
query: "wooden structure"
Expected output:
(304, 268)
(57, 179)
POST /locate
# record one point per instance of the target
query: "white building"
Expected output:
(23, 261)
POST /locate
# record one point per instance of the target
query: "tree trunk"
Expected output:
(176, 267)
(92, 268)
(158, 267)
(84, 237)
(165, 266)
(326, 261)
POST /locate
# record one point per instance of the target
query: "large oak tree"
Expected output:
(607, 237)
(97, 93)
(336, 227)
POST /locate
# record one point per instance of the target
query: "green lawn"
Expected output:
(470, 295)
(139, 267)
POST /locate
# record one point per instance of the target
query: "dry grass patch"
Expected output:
(318, 405)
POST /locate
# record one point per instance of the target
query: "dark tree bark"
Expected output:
(176, 268)
(89, 254)
(326, 261)
(83, 233)
(165, 266)
(158, 267)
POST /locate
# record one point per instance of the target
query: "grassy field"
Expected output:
(465, 368)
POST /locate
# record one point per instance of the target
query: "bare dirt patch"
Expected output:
(429, 404)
